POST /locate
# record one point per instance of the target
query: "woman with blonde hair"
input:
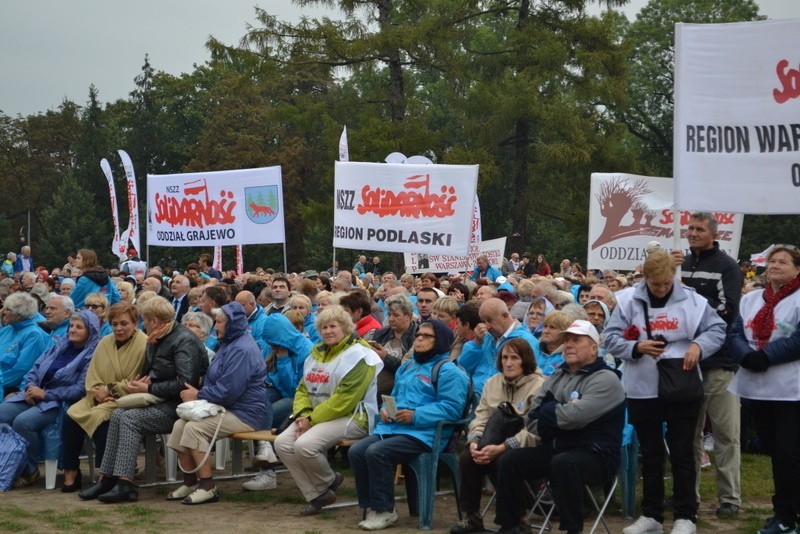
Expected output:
(548, 351)
(98, 304)
(658, 326)
(175, 358)
(343, 406)
(126, 291)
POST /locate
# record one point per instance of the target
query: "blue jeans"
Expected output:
(278, 407)
(373, 460)
(27, 421)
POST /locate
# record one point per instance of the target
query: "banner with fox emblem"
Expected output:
(240, 207)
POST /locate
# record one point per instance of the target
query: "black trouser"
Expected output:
(648, 417)
(778, 424)
(472, 481)
(72, 436)
(568, 472)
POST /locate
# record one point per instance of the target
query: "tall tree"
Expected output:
(651, 38)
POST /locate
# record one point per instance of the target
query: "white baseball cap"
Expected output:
(583, 328)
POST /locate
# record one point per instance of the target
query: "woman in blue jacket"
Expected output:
(235, 381)
(21, 340)
(399, 438)
(56, 377)
(93, 280)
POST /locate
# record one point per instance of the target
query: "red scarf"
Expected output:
(764, 321)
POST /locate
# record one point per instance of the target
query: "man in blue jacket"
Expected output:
(484, 270)
(579, 414)
(479, 357)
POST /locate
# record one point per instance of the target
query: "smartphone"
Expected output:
(390, 405)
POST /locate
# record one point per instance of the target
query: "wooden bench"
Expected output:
(261, 435)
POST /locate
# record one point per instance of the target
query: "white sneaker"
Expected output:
(683, 526)
(369, 516)
(644, 525)
(708, 443)
(705, 460)
(264, 480)
(265, 456)
(379, 521)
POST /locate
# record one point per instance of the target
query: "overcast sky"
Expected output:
(53, 49)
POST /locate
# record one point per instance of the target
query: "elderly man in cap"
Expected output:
(578, 414)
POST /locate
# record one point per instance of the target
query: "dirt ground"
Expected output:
(240, 511)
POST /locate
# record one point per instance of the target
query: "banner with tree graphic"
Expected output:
(627, 211)
(241, 207)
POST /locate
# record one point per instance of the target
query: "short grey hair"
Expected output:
(707, 217)
(201, 318)
(66, 302)
(11, 256)
(22, 305)
(29, 276)
(401, 302)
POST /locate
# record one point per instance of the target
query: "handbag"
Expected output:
(13, 456)
(138, 400)
(197, 410)
(502, 424)
(674, 383)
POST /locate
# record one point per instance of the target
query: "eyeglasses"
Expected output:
(423, 334)
(95, 306)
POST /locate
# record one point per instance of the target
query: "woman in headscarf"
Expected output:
(399, 437)
(117, 360)
(235, 381)
(764, 341)
(56, 377)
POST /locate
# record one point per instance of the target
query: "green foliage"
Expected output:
(539, 94)
(71, 222)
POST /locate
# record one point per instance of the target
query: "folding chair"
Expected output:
(601, 510)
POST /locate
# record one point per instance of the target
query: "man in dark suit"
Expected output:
(180, 299)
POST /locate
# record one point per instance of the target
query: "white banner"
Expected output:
(437, 263)
(118, 248)
(132, 232)
(737, 102)
(626, 212)
(404, 207)
(241, 207)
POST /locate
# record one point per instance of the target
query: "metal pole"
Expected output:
(285, 268)
(333, 264)
(29, 227)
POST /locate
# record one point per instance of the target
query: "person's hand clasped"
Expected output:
(33, 395)
(487, 454)
(139, 385)
(301, 425)
(405, 416)
(102, 394)
(189, 394)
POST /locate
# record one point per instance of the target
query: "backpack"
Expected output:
(468, 406)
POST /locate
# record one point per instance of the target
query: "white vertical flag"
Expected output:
(133, 202)
(217, 258)
(239, 259)
(344, 151)
(117, 248)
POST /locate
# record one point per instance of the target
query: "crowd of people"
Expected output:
(363, 354)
